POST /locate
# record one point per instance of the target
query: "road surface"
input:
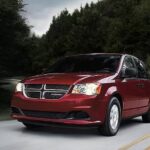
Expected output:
(133, 135)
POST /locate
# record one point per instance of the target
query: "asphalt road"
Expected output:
(133, 135)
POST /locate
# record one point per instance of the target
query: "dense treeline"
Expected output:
(106, 26)
(14, 34)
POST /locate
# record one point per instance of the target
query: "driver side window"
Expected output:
(142, 73)
(128, 63)
(129, 69)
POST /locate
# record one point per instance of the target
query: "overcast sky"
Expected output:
(39, 13)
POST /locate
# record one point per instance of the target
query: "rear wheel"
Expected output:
(146, 117)
(30, 126)
(113, 118)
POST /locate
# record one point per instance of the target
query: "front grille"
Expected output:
(33, 94)
(45, 91)
(41, 114)
(33, 86)
(54, 87)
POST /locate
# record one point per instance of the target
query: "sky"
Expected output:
(39, 13)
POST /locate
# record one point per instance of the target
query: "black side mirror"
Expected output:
(129, 73)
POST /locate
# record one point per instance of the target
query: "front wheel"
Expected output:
(146, 117)
(30, 126)
(113, 118)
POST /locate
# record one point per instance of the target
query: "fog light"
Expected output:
(78, 115)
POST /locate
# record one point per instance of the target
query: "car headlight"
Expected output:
(87, 89)
(19, 87)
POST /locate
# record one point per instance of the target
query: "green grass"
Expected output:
(5, 114)
(5, 97)
(6, 89)
(5, 106)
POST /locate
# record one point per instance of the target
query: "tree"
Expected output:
(57, 36)
(106, 26)
(13, 32)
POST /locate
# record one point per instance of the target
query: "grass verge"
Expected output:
(5, 114)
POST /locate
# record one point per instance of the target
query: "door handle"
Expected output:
(140, 85)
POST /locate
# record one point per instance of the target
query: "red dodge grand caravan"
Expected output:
(91, 89)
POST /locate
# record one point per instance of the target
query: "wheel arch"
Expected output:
(116, 94)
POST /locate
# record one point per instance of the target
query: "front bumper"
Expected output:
(59, 121)
(93, 106)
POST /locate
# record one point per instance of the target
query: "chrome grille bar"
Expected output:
(45, 91)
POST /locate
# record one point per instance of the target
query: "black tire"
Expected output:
(106, 129)
(146, 117)
(30, 126)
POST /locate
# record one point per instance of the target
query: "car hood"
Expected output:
(65, 78)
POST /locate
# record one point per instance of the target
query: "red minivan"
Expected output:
(85, 90)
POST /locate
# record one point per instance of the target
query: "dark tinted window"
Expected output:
(128, 66)
(141, 69)
(86, 63)
(128, 62)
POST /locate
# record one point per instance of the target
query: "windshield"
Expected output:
(86, 64)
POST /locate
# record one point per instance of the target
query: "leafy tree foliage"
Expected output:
(13, 33)
(106, 26)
